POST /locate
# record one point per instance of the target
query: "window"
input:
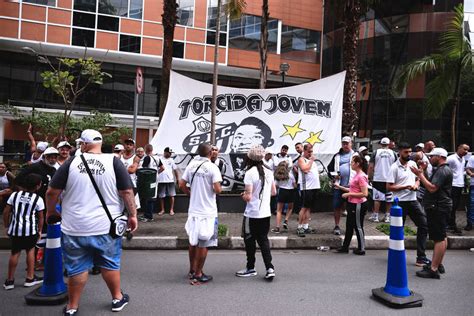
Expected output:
(211, 38)
(51, 3)
(108, 23)
(82, 38)
(114, 7)
(85, 5)
(300, 44)
(130, 44)
(84, 20)
(244, 33)
(178, 49)
(185, 12)
(211, 25)
(136, 9)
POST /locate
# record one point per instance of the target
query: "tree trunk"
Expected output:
(169, 19)
(352, 14)
(457, 100)
(263, 45)
(215, 73)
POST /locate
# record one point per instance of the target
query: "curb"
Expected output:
(276, 242)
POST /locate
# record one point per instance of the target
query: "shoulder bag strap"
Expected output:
(196, 172)
(96, 188)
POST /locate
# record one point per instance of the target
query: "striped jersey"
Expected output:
(24, 216)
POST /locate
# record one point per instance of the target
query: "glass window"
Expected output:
(185, 12)
(51, 3)
(212, 17)
(108, 23)
(178, 49)
(84, 20)
(85, 5)
(130, 44)
(244, 33)
(136, 9)
(211, 38)
(114, 7)
(83, 38)
(300, 44)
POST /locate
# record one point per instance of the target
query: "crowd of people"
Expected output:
(59, 181)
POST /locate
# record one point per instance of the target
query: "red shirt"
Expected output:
(359, 181)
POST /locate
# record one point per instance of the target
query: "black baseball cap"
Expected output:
(129, 140)
(168, 150)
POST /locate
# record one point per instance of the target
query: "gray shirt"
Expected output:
(441, 199)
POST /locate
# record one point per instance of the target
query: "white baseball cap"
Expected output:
(50, 151)
(421, 145)
(64, 144)
(91, 136)
(346, 139)
(438, 151)
(42, 146)
(119, 147)
(362, 148)
(385, 141)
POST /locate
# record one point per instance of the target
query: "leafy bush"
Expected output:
(385, 228)
(222, 230)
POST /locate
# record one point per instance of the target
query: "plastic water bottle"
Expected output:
(323, 248)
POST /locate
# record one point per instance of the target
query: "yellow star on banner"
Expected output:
(292, 130)
(314, 138)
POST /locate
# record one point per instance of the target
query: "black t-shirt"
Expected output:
(44, 170)
(442, 177)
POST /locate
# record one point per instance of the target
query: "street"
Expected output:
(307, 283)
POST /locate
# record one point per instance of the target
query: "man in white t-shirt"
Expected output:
(470, 211)
(85, 225)
(457, 163)
(404, 184)
(167, 181)
(268, 161)
(283, 156)
(308, 180)
(201, 180)
(379, 168)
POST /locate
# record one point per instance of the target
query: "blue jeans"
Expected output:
(470, 211)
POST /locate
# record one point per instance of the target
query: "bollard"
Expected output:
(53, 291)
(396, 293)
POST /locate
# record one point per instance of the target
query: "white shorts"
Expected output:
(202, 231)
(381, 197)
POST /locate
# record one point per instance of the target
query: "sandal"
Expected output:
(171, 212)
(161, 213)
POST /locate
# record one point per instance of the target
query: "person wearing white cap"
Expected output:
(457, 163)
(340, 173)
(201, 180)
(268, 160)
(118, 150)
(36, 149)
(364, 152)
(259, 187)
(85, 223)
(438, 204)
(419, 147)
(64, 149)
(379, 168)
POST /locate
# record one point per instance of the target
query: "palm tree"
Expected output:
(263, 45)
(233, 9)
(445, 66)
(169, 19)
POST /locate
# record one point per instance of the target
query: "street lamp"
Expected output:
(284, 68)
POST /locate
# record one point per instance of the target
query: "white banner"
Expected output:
(306, 113)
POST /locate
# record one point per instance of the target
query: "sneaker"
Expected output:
(344, 213)
(70, 311)
(358, 252)
(387, 219)
(300, 232)
(245, 273)
(33, 281)
(337, 231)
(145, 219)
(428, 274)
(422, 261)
(374, 218)
(285, 224)
(342, 250)
(118, 305)
(309, 230)
(204, 278)
(276, 230)
(468, 227)
(270, 274)
(441, 268)
(9, 284)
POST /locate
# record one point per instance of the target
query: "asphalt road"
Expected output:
(307, 283)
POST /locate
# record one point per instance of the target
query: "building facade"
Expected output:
(125, 34)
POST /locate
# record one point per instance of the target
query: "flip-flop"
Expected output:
(161, 213)
(171, 213)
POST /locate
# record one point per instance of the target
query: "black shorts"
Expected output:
(380, 186)
(437, 222)
(308, 198)
(286, 195)
(23, 243)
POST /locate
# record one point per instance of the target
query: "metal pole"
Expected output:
(135, 114)
(283, 79)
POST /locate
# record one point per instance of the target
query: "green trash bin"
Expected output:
(146, 183)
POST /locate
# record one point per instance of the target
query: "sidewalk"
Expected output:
(167, 232)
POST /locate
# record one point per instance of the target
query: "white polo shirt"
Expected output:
(402, 175)
(457, 164)
(470, 164)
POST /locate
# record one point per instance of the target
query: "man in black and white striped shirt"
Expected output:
(23, 220)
